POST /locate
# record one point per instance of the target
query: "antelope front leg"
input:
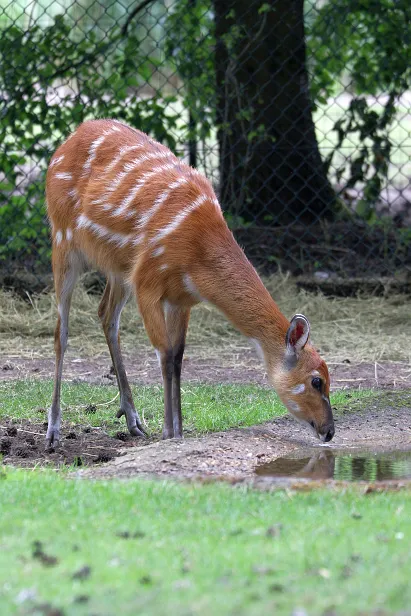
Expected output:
(177, 322)
(153, 316)
(167, 369)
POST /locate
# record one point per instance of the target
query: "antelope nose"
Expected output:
(327, 435)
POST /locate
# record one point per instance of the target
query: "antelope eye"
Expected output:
(317, 383)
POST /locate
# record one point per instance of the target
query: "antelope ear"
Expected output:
(297, 334)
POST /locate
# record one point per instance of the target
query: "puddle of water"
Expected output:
(337, 464)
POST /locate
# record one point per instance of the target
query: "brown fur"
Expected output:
(201, 247)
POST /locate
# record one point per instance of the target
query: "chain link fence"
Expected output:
(298, 112)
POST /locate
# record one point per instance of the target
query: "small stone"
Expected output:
(321, 275)
(82, 574)
(274, 531)
(26, 594)
(8, 366)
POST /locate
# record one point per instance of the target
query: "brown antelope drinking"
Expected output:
(123, 203)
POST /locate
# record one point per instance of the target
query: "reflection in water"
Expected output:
(329, 464)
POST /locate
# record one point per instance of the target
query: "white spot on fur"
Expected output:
(56, 161)
(120, 239)
(160, 200)
(163, 267)
(191, 288)
(179, 219)
(167, 307)
(158, 251)
(73, 193)
(69, 234)
(59, 237)
(138, 239)
(63, 176)
(298, 389)
(315, 373)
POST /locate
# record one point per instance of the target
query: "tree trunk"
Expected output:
(270, 166)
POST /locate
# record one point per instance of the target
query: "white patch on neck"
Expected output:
(158, 357)
(292, 406)
(258, 347)
(298, 389)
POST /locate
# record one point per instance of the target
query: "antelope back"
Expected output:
(114, 194)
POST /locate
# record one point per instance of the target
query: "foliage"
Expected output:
(54, 77)
(50, 83)
(190, 42)
(368, 42)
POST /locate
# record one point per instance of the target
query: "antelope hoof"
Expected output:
(133, 422)
(138, 431)
(52, 440)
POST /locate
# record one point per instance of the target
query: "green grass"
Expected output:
(200, 549)
(206, 408)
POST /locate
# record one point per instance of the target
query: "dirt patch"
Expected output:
(22, 444)
(229, 367)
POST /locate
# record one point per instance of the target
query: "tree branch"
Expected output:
(133, 13)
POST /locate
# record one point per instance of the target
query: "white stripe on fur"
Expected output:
(162, 198)
(56, 161)
(179, 219)
(137, 187)
(120, 239)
